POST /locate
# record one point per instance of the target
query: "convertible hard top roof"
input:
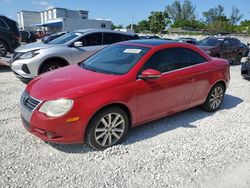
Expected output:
(152, 42)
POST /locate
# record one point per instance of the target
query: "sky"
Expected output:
(118, 11)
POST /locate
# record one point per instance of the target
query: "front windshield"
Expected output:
(65, 38)
(116, 59)
(210, 42)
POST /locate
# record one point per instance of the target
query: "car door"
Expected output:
(227, 49)
(170, 93)
(91, 43)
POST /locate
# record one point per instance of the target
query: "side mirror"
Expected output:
(248, 44)
(78, 44)
(150, 74)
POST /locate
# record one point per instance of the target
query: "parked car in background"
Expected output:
(245, 68)
(188, 40)
(149, 37)
(31, 60)
(28, 37)
(122, 86)
(224, 47)
(49, 38)
(10, 37)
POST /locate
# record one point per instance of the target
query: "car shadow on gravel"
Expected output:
(183, 119)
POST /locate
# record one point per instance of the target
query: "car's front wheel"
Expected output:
(214, 98)
(3, 49)
(50, 66)
(238, 59)
(107, 128)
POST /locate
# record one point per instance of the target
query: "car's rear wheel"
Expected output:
(52, 65)
(238, 59)
(107, 128)
(3, 49)
(214, 98)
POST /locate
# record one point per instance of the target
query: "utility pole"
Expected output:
(132, 23)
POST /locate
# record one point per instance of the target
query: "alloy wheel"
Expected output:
(2, 49)
(53, 67)
(110, 129)
(216, 97)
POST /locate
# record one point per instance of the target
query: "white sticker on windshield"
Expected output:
(132, 51)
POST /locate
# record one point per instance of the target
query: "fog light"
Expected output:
(50, 135)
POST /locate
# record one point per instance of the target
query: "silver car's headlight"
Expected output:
(208, 52)
(28, 55)
(56, 108)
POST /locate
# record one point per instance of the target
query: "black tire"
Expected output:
(238, 59)
(97, 128)
(3, 49)
(51, 65)
(214, 99)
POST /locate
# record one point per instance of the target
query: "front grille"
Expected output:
(29, 101)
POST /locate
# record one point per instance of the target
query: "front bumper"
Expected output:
(54, 130)
(245, 70)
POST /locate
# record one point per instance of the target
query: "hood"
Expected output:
(204, 48)
(71, 82)
(33, 46)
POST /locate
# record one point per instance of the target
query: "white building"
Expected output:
(61, 19)
(26, 20)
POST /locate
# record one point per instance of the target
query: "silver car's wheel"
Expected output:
(53, 67)
(107, 128)
(3, 49)
(214, 98)
(110, 129)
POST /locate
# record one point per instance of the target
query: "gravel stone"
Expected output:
(190, 149)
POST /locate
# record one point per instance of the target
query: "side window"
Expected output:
(110, 38)
(226, 43)
(232, 42)
(92, 39)
(195, 58)
(168, 60)
(3, 24)
(128, 37)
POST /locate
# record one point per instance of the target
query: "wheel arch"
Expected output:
(55, 58)
(6, 42)
(115, 104)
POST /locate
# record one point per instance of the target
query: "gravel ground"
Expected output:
(190, 149)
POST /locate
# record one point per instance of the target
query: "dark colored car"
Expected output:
(188, 40)
(149, 37)
(28, 37)
(49, 38)
(245, 68)
(10, 37)
(224, 47)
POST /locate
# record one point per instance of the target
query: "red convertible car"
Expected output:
(122, 86)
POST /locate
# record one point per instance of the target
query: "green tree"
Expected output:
(235, 16)
(183, 15)
(214, 14)
(116, 26)
(143, 26)
(158, 21)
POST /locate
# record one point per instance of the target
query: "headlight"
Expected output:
(56, 108)
(208, 52)
(28, 55)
